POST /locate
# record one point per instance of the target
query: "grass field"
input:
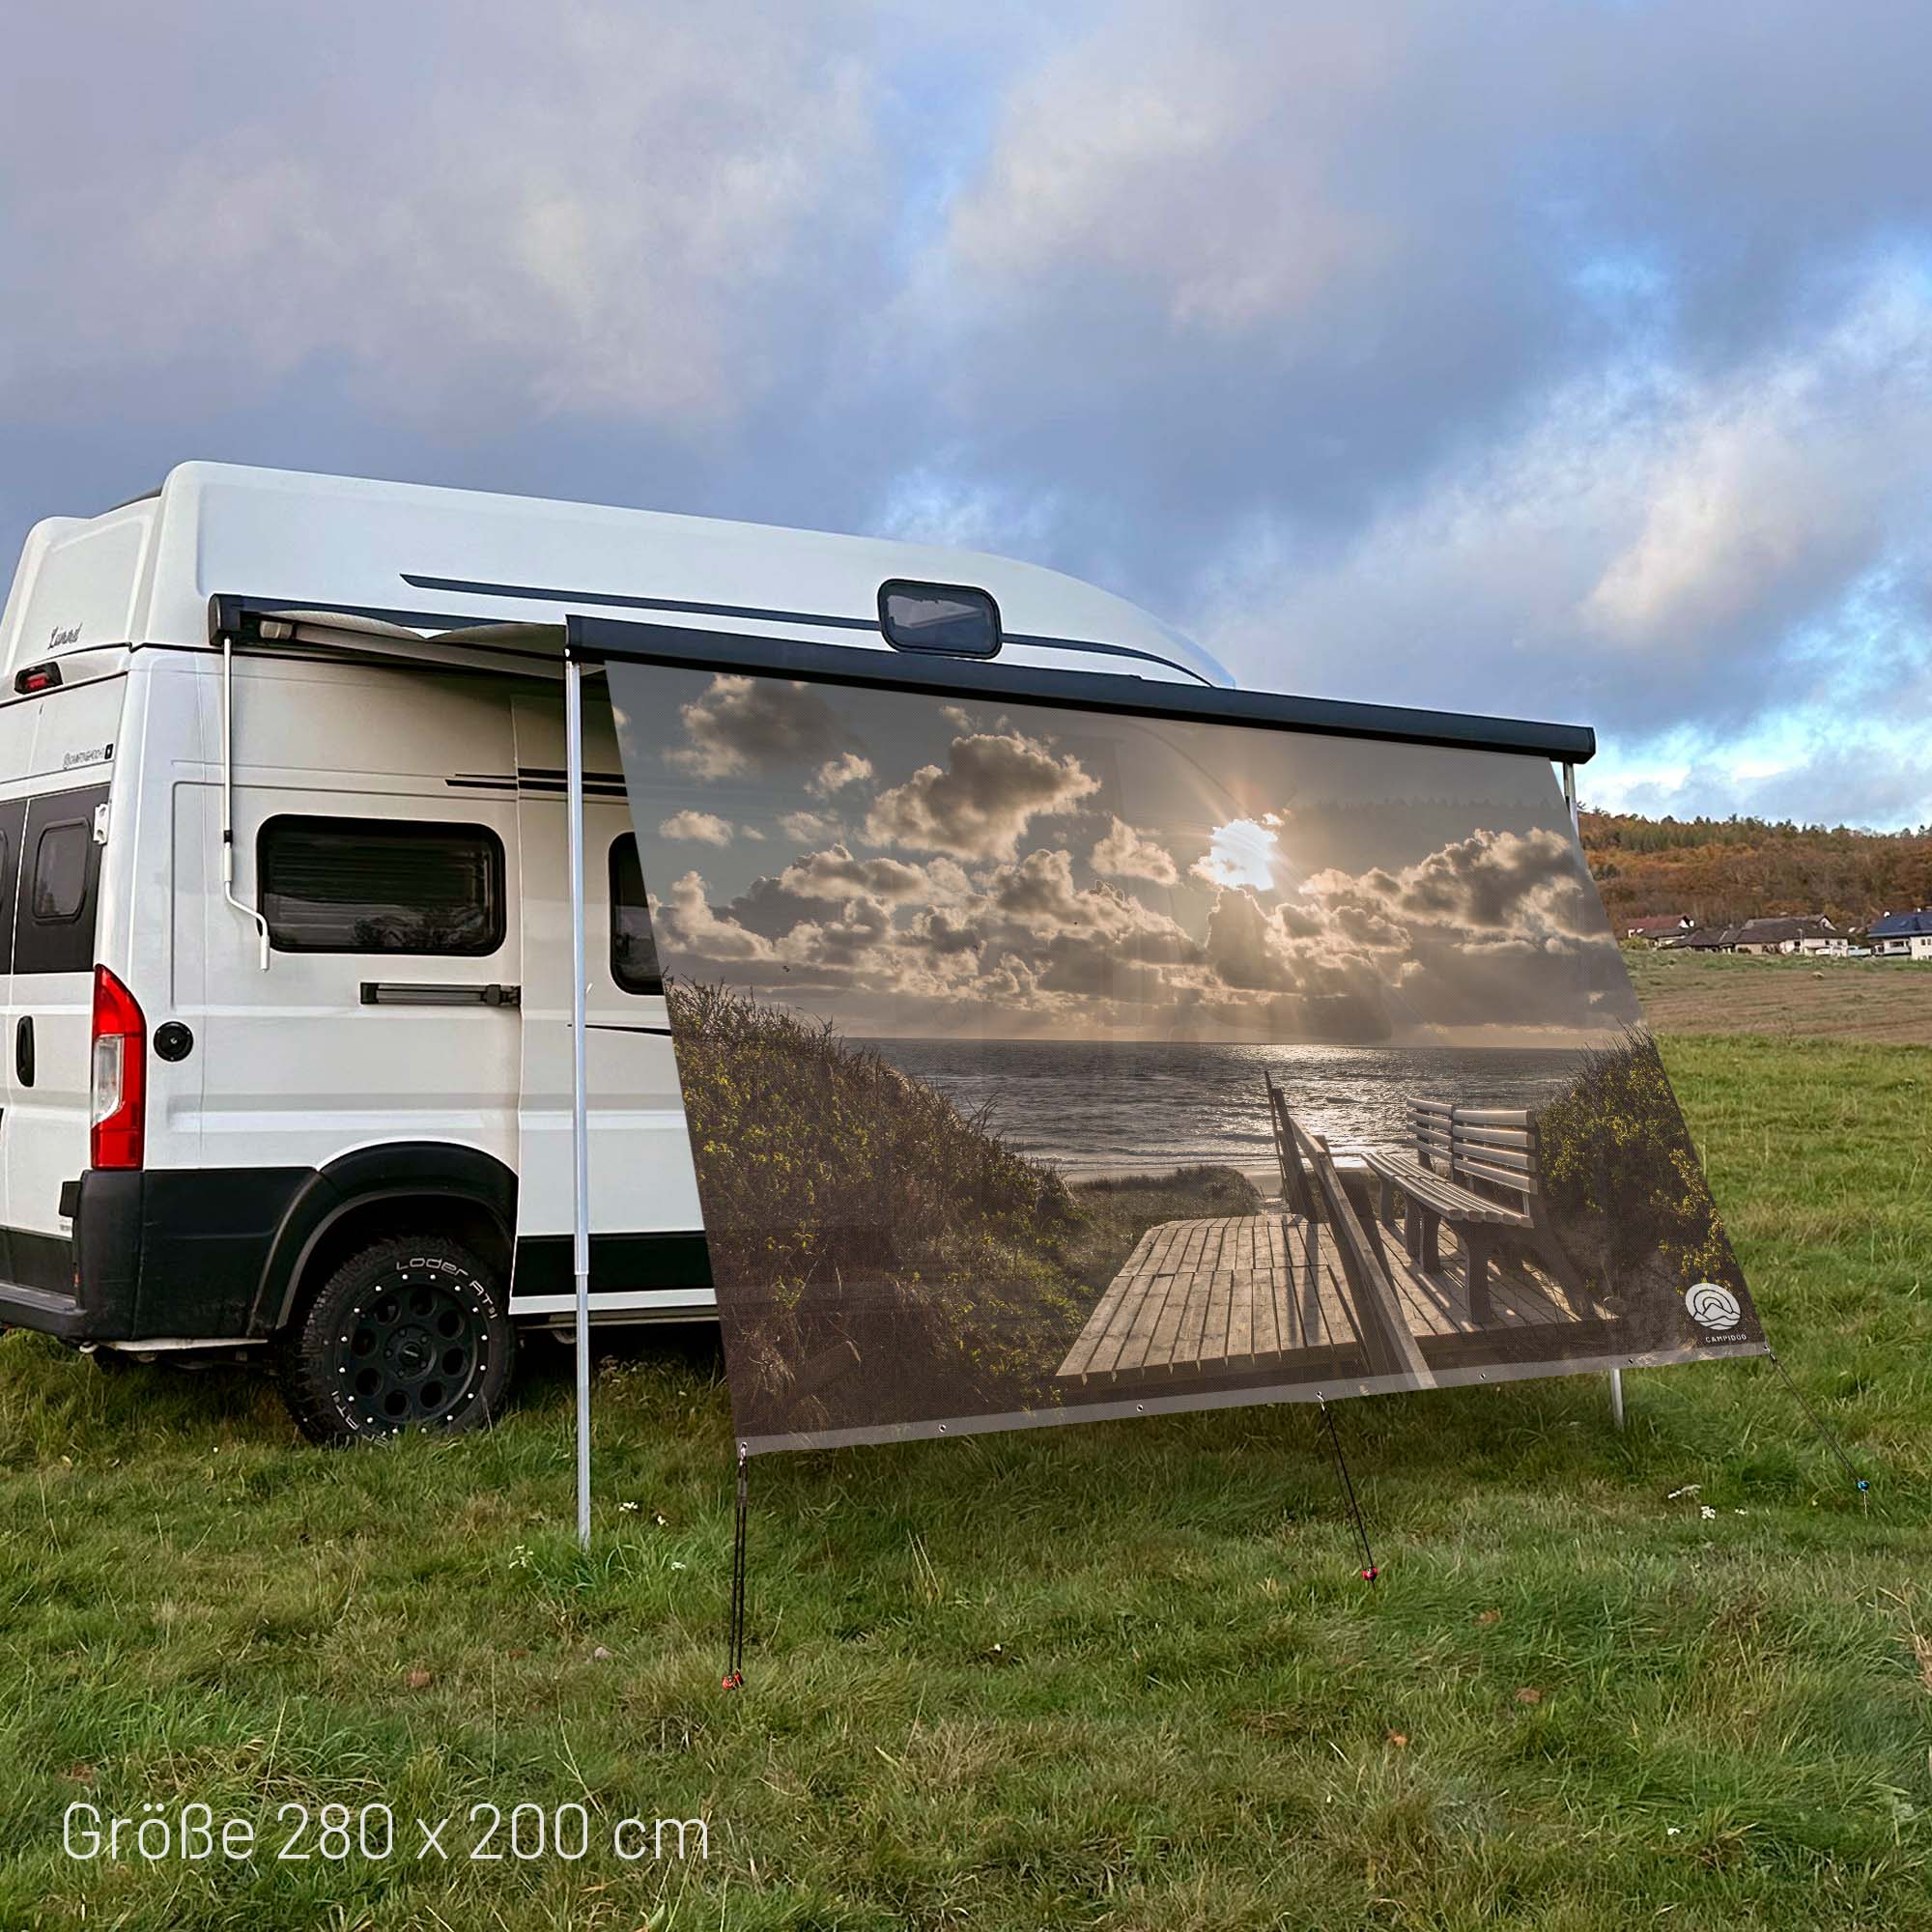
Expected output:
(1118, 1676)
(1786, 999)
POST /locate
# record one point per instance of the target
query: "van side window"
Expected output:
(59, 873)
(58, 865)
(380, 885)
(633, 951)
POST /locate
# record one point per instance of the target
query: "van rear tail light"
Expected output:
(120, 1096)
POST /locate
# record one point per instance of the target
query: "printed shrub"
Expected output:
(881, 1252)
(1622, 1174)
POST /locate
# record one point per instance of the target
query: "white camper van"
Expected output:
(287, 944)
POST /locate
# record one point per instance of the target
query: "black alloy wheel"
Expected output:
(409, 1334)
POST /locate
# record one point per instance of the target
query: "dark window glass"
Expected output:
(953, 619)
(59, 873)
(634, 952)
(374, 885)
(51, 847)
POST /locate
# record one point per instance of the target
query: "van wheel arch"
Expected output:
(377, 1193)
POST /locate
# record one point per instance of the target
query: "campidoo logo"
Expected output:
(1711, 1307)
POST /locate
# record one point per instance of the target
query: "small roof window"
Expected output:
(950, 619)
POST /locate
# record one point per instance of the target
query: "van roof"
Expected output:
(144, 573)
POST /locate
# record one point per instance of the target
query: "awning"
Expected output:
(1057, 1048)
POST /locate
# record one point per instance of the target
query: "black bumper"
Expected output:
(153, 1254)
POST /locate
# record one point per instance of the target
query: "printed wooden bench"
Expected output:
(1306, 1291)
(1477, 1169)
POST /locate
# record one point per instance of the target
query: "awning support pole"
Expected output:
(246, 911)
(1577, 826)
(579, 1126)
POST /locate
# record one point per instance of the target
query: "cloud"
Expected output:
(480, 213)
(1127, 854)
(687, 927)
(743, 725)
(836, 874)
(1659, 521)
(808, 828)
(703, 826)
(835, 773)
(993, 786)
(1562, 360)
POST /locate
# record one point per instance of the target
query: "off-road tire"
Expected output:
(409, 1333)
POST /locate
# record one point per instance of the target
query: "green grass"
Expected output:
(1116, 1676)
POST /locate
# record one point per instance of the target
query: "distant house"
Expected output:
(1662, 930)
(1902, 935)
(1705, 939)
(1812, 934)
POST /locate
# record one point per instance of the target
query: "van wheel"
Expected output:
(410, 1333)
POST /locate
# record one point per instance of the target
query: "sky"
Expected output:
(1565, 358)
(904, 865)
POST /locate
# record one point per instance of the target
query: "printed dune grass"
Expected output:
(1636, 1210)
(1119, 1676)
(879, 1255)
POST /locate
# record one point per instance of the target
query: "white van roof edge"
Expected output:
(146, 571)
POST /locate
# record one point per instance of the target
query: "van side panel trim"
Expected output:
(44, 1263)
(205, 1237)
(167, 1251)
(217, 1252)
(618, 1265)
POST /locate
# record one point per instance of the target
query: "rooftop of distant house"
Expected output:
(1766, 931)
(1903, 924)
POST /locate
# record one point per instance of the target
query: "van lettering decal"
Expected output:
(60, 637)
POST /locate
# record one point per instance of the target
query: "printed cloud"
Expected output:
(743, 725)
(705, 827)
(835, 773)
(977, 806)
(1127, 854)
(1491, 926)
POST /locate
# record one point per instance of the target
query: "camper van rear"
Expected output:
(287, 928)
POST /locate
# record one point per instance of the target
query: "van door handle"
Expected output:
(400, 993)
(23, 1049)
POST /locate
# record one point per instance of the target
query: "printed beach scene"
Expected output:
(1045, 1064)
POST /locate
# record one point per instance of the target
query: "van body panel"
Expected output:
(300, 1065)
(642, 1183)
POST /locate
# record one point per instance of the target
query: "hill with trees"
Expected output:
(1724, 869)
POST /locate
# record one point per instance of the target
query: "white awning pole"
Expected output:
(1577, 826)
(228, 798)
(579, 1126)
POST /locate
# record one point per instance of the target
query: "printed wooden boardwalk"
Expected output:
(1218, 1297)
(1255, 1293)
(1436, 1304)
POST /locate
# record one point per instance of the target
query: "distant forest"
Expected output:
(1724, 869)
